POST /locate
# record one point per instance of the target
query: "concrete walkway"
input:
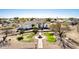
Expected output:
(40, 42)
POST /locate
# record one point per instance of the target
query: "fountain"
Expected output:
(40, 36)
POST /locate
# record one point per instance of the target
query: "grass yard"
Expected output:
(50, 37)
(28, 37)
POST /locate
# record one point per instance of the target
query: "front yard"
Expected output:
(26, 42)
(50, 41)
(50, 37)
(27, 37)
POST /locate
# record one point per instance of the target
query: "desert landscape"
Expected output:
(37, 33)
(39, 29)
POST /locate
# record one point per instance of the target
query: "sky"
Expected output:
(39, 13)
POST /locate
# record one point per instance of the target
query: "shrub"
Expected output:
(33, 25)
(20, 38)
(21, 31)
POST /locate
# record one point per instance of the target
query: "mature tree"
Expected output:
(74, 21)
(55, 19)
(22, 32)
(48, 19)
(7, 30)
(61, 18)
(22, 20)
(27, 19)
(16, 19)
(0, 20)
(32, 19)
(39, 25)
(33, 25)
(78, 27)
(57, 28)
(71, 19)
(66, 26)
(35, 30)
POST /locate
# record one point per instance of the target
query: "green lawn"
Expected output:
(50, 37)
(28, 37)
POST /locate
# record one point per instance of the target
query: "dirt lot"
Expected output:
(15, 44)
